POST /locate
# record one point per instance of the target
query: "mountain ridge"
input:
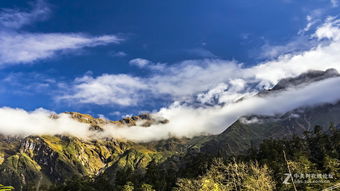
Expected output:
(39, 162)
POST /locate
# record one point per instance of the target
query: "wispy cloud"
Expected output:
(119, 54)
(15, 19)
(301, 43)
(201, 53)
(139, 62)
(21, 47)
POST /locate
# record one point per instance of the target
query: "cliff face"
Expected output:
(40, 161)
(52, 159)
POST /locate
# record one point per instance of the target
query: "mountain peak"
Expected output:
(144, 120)
(308, 77)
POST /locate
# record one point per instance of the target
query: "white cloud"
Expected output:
(147, 64)
(179, 81)
(20, 47)
(29, 47)
(107, 89)
(329, 30)
(310, 23)
(302, 43)
(39, 122)
(139, 62)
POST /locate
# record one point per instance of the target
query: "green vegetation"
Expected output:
(264, 168)
(68, 163)
(6, 188)
(222, 176)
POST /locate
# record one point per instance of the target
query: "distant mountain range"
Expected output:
(39, 162)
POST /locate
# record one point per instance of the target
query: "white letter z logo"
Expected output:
(288, 176)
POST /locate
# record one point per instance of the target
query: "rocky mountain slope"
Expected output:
(38, 162)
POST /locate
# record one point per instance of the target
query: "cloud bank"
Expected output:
(39, 122)
(215, 84)
(20, 47)
(184, 121)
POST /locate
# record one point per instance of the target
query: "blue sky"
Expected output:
(58, 54)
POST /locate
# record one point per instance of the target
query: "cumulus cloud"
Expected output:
(106, 89)
(20, 47)
(179, 81)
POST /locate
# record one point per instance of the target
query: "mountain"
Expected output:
(251, 130)
(303, 79)
(60, 162)
(40, 161)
